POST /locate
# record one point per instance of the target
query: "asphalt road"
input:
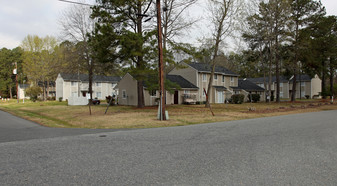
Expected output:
(297, 149)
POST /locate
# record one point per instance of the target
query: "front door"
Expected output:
(176, 97)
(220, 97)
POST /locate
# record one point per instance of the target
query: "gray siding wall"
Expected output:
(129, 85)
(189, 73)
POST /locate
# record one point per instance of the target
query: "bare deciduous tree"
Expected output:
(224, 14)
(76, 24)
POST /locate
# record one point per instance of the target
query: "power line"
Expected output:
(78, 3)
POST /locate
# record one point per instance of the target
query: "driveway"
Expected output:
(296, 149)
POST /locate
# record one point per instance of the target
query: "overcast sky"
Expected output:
(19, 18)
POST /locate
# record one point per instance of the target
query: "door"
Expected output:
(220, 97)
(176, 97)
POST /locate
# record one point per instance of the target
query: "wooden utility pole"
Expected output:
(16, 80)
(160, 65)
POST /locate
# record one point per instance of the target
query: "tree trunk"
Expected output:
(277, 66)
(332, 71)
(47, 89)
(10, 92)
(140, 65)
(293, 94)
(209, 88)
(323, 80)
(215, 54)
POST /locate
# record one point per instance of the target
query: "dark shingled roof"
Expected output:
(247, 86)
(202, 67)
(220, 88)
(273, 79)
(304, 77)
(182, 82)
(85, 78)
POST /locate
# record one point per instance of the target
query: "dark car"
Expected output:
(96, 102)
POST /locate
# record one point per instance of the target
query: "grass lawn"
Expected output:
(59, 114)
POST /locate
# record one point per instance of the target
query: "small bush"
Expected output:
(237, 98)
(60, 99)
(108, 98)
(307, 96)
(33, 92)
(272, 98)
(51, 98)
(255, 97)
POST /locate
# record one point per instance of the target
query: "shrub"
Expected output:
(108, 98)
(51, 98)
(307, 96)
(272, 98)
(237, 98)
(60, 99)
(255, 97)
(33, 92)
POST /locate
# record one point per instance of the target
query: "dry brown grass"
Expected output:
(55, 114)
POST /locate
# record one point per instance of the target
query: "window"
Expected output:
(153, 93)
(186, 92)
(203, 94)
(223, 79)
(124, 94)
(98, 94)
(215, 77)
(73, 83)
(302, 84)
(98, 84)
(204, 77)
(232, 79)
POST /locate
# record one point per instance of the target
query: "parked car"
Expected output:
(96, 101)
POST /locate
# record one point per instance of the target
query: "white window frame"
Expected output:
(223, 79)
(215, 77)
(232, 79)
(153, 93)
(204, 77)
(99, 95)
(124, 94)
(74, 83)
(98, 84)
(302, 84)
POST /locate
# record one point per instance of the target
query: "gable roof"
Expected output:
(85, 78)
(202, 67)
(302, 77)
(182, 82)
(283, 79)
(247, 85)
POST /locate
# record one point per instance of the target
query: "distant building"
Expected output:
(305, 85)
(247, 87)
(77, 85)
(128, 92)
(199, 74)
